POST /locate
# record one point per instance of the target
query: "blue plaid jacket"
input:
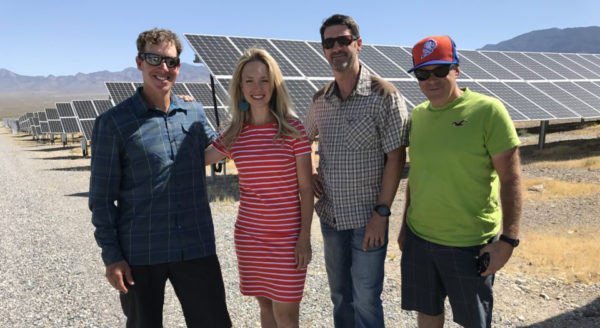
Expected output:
(148, 186)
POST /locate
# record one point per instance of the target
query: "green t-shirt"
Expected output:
(453, 184)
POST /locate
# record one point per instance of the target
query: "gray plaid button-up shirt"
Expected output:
(354, 135)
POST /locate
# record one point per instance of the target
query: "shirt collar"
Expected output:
(143, 107)
(362, 88)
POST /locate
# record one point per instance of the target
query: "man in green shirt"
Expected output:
(463, 146)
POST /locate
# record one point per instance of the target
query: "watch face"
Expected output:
(383, 210)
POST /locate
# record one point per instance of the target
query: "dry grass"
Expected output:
(568, 254)
(553, 189)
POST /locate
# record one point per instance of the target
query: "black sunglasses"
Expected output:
(343, 40)
(156, 60)
(424, 74)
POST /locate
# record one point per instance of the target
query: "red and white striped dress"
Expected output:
(269, 218)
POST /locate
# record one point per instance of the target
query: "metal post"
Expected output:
(212, 85)
(542, 137)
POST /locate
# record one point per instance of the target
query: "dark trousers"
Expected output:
(198, 285)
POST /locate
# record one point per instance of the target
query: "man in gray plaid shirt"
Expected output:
(361, 122)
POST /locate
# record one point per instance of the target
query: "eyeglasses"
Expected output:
(156, 60)
(343, 40)
(424, 74)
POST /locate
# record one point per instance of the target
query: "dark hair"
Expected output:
(338, 19)
(157, 36)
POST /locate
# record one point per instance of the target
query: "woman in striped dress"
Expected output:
(272, 154)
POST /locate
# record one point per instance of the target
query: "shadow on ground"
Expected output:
(75, 168)
(62, 157)
(561, 151)
(79, 194)
(53, 149)
(587, 316)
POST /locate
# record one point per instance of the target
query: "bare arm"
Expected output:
(316, 183)
(508, 166)
(392, 172)
(403, 227)
(304, 172)
(212, 155)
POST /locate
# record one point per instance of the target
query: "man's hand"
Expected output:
(187, 98)
(500, 252)
(375, 232)
(317, 186)
(117, 273)
(303, 252)
(402, 238)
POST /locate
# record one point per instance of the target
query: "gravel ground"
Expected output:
(51, 274)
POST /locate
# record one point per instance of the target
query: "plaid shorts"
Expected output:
(430, 272)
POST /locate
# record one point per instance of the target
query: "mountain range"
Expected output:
(577, 39)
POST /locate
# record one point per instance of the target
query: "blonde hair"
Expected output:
(280, 104)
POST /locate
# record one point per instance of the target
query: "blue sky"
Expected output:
(67, 37)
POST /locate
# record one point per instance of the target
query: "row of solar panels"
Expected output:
(74, 117)
(305, 59)
(79, 115)
(533, 86)
(202, 92)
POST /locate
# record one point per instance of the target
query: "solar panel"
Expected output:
(400, 57)
(44, 127)
(550, 105)
(473, 71)
(52, 114)
(180, 89)
(217, 52)
(70, 124)
(301, 93)
(509, 98)
(592, 88)
(84, 109)
(512, 65)
(378, 63)
(119, 91)
(533, 65)
(411, 92)
(592, 59)
(554, 65)
(202, 93)
(42, 116)
(87, 125)
(55, 126)
(577, 106)
(102, 105)
(65, 110)
(287, 69)
(306, 59)
(574, 63)
(573, 88)
(490, 66)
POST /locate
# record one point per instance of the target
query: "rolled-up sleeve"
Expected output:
(105, 180)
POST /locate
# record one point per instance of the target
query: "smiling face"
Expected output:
(256, 85)
(158, 79)
(441, 91)
(341, 58)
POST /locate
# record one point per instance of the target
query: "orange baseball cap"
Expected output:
(434, 50)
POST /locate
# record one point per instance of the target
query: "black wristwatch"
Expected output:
(382, 210)
(511, 241)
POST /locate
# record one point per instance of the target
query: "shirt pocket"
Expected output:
(360, 131)
(192, 142)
